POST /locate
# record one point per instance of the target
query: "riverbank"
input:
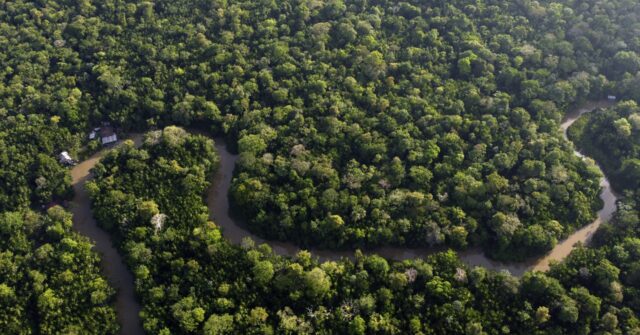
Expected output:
(235, 231)
(113, 266)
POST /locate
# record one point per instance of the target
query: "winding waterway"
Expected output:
(235, 231)
(113, 266)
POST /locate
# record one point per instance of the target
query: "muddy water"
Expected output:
(608, 196)
(113, 267)
(235, 230)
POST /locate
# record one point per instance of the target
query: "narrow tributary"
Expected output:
(113, 266)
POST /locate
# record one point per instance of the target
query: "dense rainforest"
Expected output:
(612, 136)
(359, 123)
(50, 280)
(29, 170)
(191, 280)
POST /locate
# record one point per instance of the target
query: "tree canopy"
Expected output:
(358, 123)
(191, 280)
(50, 281)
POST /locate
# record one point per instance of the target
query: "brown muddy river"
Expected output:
(113, 267)
(235, 231)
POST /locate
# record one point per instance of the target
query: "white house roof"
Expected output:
(109, 139)
(65, 158)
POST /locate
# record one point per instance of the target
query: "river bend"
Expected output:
(235, 231)
(119, 276)
(113, 266)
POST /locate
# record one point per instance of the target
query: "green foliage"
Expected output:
(612, 137)
(29, 170)
(50, 281)
(219, 325)
(194, 285)
(187, 314)
(385, 98)
(359, 123)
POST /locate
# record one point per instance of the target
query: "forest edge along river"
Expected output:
(235, 231)
(113, 266)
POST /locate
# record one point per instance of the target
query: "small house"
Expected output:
(94, 133)
(66, 159)
(612, 98)
(108, 135)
